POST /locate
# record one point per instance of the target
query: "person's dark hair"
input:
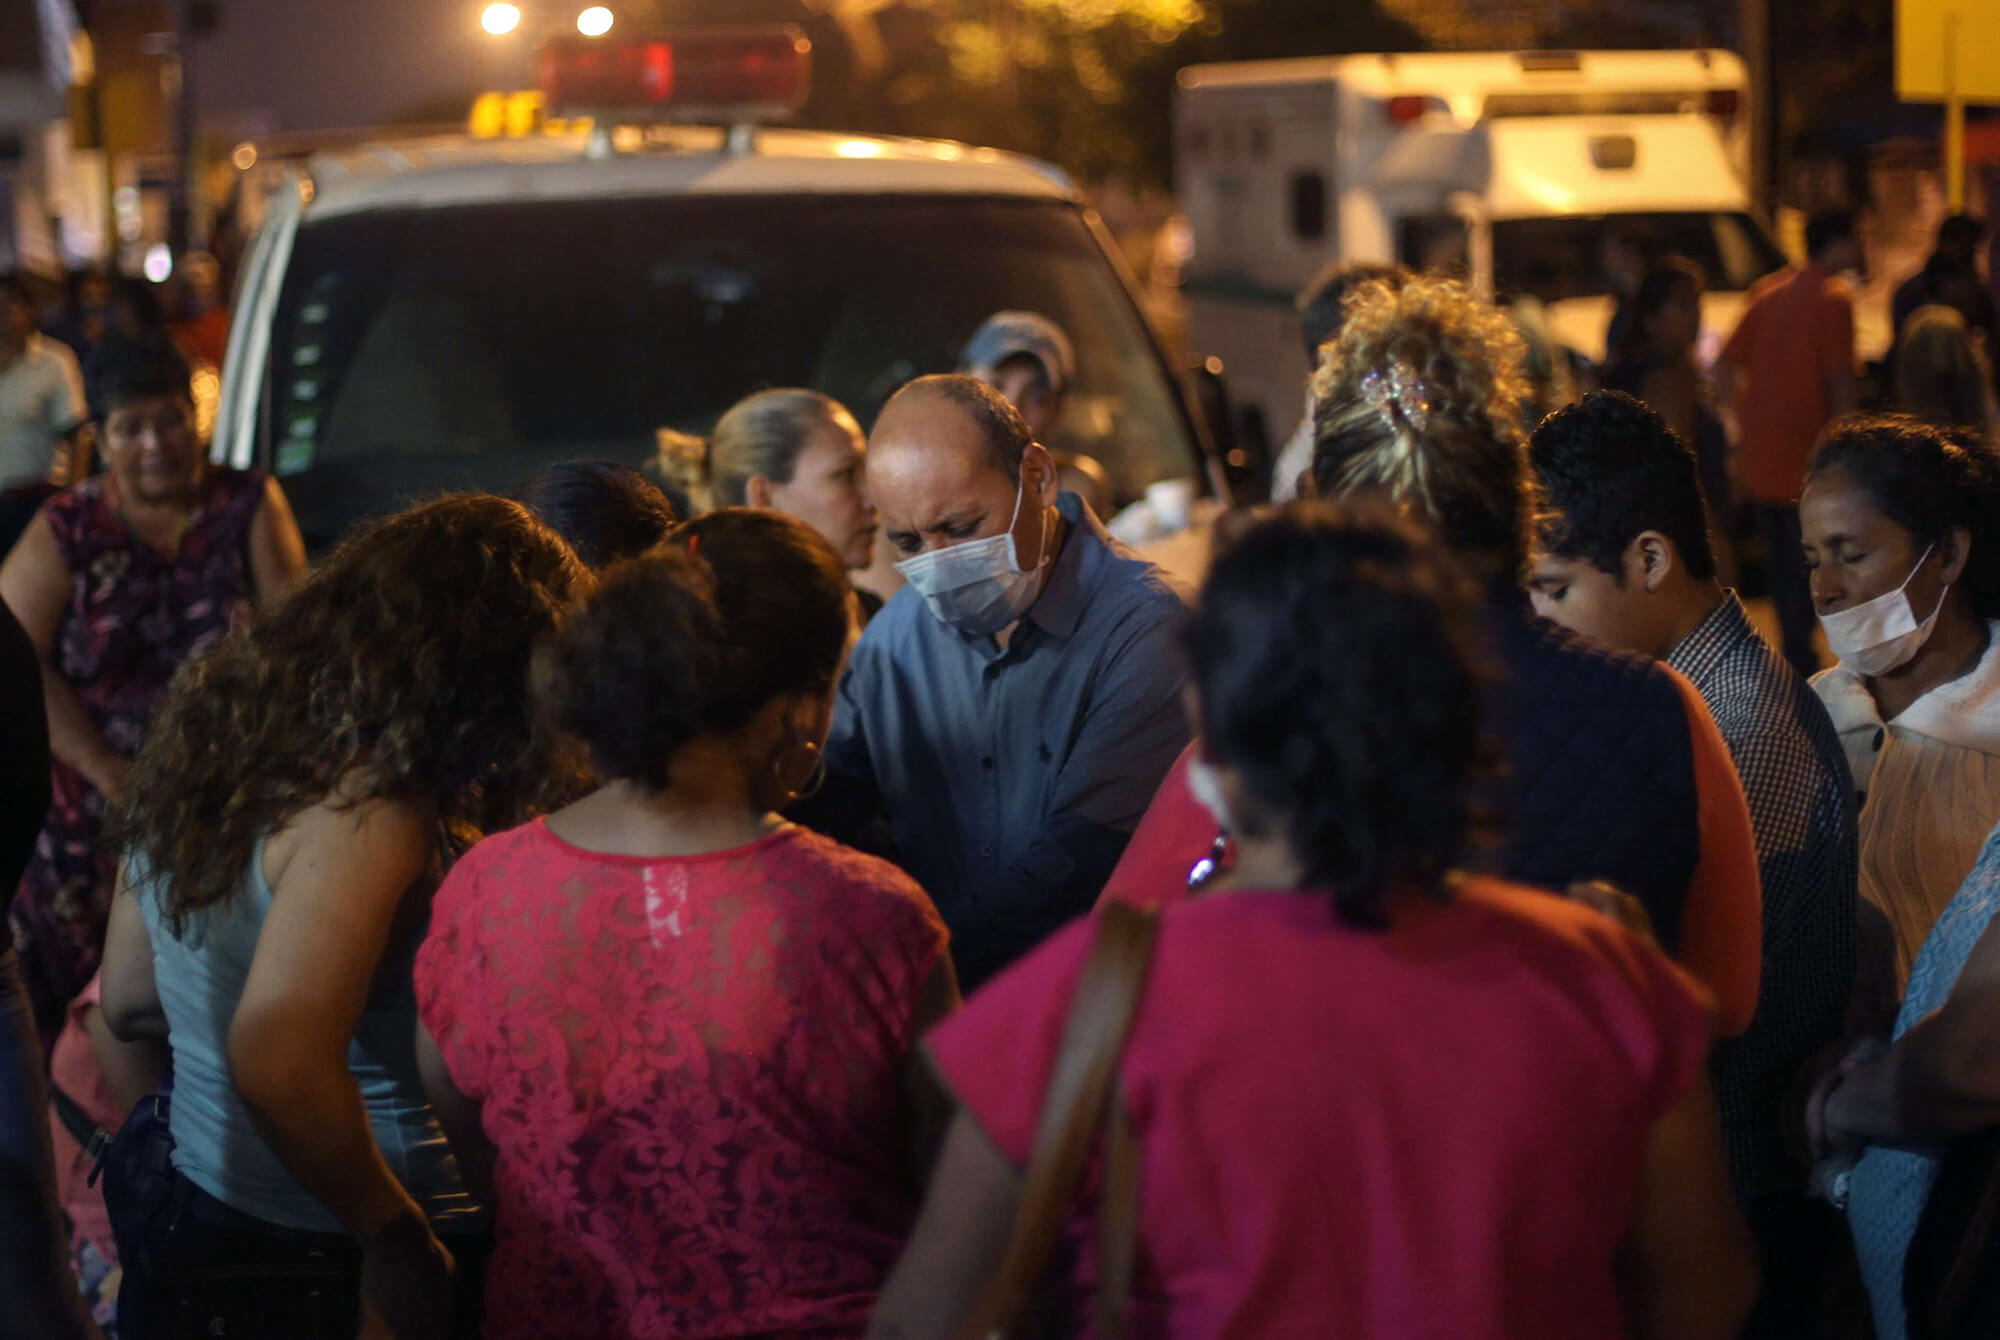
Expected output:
(738, 608)
(1928, 481)
(1825, 229)
(126, 370)
(999, 423)
(607, 512)
(1464, 470)
(1609, 468)
(1939, 376)
(1960, 233)
(140, 301)
(1665, 279)
(14, 290)
(764, 434)
(1323, 303)
(1333, 656)
(396, 669)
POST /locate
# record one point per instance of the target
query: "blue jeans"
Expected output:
(202, 1268)
(41, 1301)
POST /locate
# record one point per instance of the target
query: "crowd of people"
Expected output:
(631, 908)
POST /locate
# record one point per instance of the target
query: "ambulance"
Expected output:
(1508, 168)
(451, 311)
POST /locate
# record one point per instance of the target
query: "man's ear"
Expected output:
(757, 491)
(1650, 559)
(1040, 478)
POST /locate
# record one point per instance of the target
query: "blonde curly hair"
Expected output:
(1420, 399)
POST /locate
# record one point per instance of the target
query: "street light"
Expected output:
(594, 22)
(500, 20)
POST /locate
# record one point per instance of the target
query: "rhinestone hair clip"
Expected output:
(1398, 391)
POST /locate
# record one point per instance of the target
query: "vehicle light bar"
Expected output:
(1407, 108)
(732, 75)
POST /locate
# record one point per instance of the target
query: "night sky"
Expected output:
(315, 64)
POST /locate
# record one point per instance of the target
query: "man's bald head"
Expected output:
(950, 461)
(1000, 427)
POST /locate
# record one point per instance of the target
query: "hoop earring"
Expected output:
(814, 780)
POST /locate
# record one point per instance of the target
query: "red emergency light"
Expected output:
(1408, 108)
(723, 74)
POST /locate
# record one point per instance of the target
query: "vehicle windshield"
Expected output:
(1559, 258)
(418, 350)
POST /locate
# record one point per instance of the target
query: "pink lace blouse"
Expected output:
(691, 1070)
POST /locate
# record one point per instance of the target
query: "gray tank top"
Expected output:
(200, 978)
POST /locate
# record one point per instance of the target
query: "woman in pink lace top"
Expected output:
(667, 1030)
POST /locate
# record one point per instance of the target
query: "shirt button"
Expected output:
(986, 762)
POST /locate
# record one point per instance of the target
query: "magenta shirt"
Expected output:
(1434, 1131)
(691, 1069)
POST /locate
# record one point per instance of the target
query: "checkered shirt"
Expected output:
(1802, 811)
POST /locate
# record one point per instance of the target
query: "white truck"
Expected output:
(448, 312)
(1508, 167)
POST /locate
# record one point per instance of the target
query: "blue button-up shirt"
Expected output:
(1013, 777)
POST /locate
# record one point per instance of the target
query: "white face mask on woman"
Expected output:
(1882, 634)
(979, 587)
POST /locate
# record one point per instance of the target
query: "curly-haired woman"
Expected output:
(290, 813)
(669, 1027)
(1370, 1096)
(119, 581)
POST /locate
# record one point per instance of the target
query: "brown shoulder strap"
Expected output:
(1073, 1110)
(1117, 1222)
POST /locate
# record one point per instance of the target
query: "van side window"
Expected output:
(1308, 191)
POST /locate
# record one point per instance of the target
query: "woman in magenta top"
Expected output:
(1371, 1098)
(667, 1030)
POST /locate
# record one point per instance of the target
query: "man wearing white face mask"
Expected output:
(1902, 539)
(1012, 711)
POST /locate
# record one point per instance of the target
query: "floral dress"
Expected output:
(133, 617)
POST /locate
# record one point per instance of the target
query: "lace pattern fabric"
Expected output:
(691, 1071)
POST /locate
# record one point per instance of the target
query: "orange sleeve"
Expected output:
(1722, 925)
(1737, 350)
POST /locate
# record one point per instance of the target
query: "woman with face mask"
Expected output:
(1902, 538)
(1899, 520)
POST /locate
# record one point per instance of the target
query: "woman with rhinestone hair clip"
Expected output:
(1616, 772)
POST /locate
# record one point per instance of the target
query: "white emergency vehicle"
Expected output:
(451, 312)
(1507, 167)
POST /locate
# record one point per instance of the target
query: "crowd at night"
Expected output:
(633, 722)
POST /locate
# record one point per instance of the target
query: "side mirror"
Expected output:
(1240, 441)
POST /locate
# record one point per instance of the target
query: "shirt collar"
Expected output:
(1059, 608)
(1703, 651)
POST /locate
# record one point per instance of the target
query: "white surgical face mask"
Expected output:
(979, 587)
(1206, 788)
(1882, 634)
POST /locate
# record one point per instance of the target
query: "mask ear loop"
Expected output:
(1944, 590)
(1042, 547)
